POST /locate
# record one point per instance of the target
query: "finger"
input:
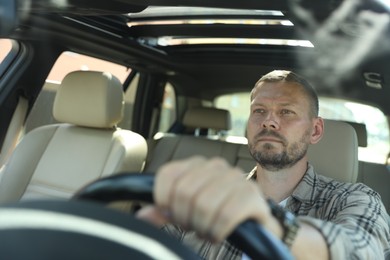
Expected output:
(166, 178)
(152, 215)
(211, 198)
(246, 202)
(191, 185)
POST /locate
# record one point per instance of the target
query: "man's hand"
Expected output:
(209, 197)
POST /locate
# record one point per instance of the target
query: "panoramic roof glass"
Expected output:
(173, 16)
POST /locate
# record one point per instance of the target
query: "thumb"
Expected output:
(152, 215)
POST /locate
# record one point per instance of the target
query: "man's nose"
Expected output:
(271, 122)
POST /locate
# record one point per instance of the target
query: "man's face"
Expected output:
(279, 125)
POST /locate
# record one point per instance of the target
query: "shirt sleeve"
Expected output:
(356, 225)
(174, 231)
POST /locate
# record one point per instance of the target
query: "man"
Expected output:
(336, 220)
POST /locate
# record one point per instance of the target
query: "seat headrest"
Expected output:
(361, 132)
(89, 98)
(207, 117)
(336, 154)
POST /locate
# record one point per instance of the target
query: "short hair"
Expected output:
(289, 76)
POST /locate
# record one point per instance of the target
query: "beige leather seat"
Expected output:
(169, 147)
(334, 156)
(56, 160)
(207, 118)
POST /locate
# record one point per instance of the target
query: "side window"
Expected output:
(41, 112)
(8, 51)
(5, 48)
(238, 104)
(168, 110)
(374, 119)
(71, 61)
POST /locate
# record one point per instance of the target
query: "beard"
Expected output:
(268, 159)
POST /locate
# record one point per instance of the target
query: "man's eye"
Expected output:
(259, 111)
(286, 112)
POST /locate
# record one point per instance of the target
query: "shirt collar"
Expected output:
(252, 174)
(304, 188)
(307, 186)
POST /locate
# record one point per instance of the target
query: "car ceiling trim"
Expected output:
(94, 27)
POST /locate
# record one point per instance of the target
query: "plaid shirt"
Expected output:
(351, 218)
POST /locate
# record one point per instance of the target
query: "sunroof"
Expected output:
(213, 21)
(166, 16)
(155, 15)
(172, 41)
(160, 11)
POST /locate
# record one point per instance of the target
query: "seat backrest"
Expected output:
(54, 161)
(334, 156)
(377, 177)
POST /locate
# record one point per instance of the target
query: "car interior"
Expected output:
(56, 160)
(90, 89)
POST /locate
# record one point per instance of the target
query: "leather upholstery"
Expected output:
(207, 117)
(336, 155)
(74, 104)
(56, 160)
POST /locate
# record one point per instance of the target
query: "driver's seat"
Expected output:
(54, 161)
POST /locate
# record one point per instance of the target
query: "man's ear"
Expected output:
(318, 130)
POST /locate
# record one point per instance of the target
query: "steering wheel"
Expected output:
(249, 236)
(83, 229)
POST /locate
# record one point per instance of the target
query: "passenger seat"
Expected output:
(56, 160)
(179, 146)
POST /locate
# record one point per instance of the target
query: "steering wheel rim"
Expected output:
(60, 229)
(249, 236)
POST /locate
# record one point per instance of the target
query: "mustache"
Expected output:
(267, 132)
